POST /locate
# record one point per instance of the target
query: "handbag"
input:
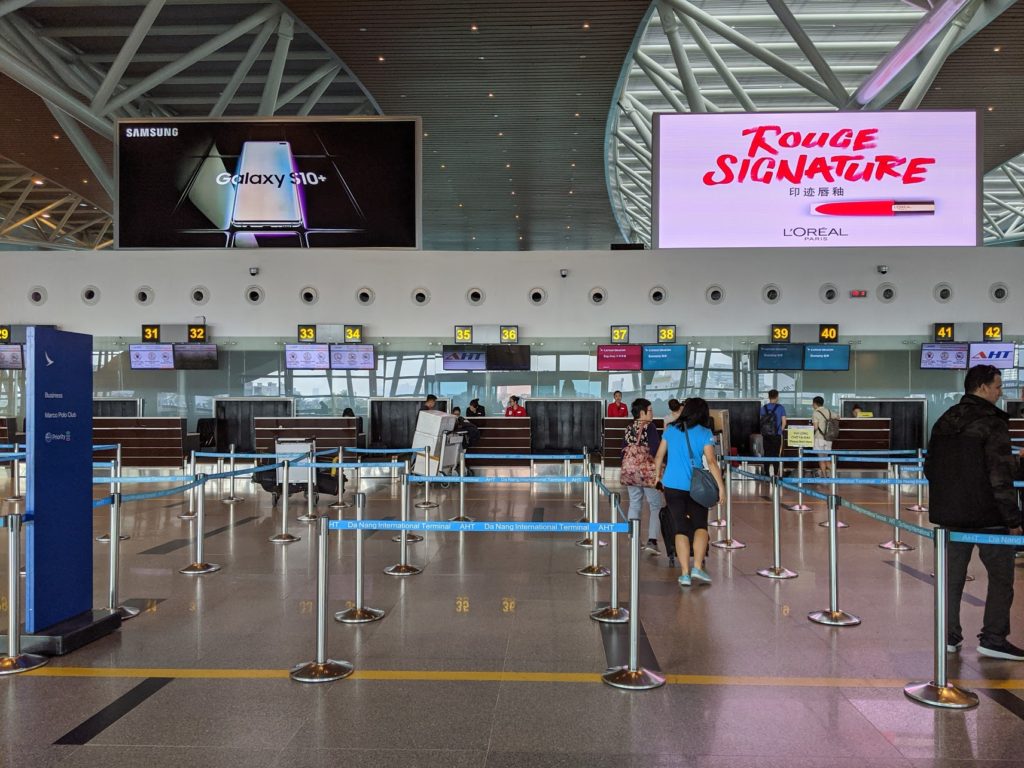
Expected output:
(703, 488)
(637, 463)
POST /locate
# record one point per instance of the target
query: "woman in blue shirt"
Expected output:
(686, 443)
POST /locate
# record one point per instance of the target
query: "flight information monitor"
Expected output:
(195, 357)
(353, 357)
(619, 357)
(151, 357)
(12, 358)
(463, 357)
(780, 357)
(826, 357)
(665, 357)
(508, 357)
(999, 354)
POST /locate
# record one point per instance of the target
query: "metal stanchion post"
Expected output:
(833, 617)
(799, 506)
(613, 613)
(426, 503)
(310, 516)
(461, 517)
(410, 538)
(115, 489)
(776, 571)
(728, 542)
(895, 544)
(191, 472)
(113, 603)
(199, 565)
(15, 661)
(231, 498)
(588, 497)
(719, 521)
(15, 480)
(633, 676)
(359, 614)
(582, 503)
(402, 567)
(341, 503)
(595, 568)
(919, 505)
(323, 670)
(283, 537)
(839, 523)
(939, 692)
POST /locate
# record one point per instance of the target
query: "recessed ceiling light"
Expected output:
(46, 215)
(380, 58)
(500, 133)
(474, 28)
(56, 136)
(991, 109)
(577, 114)
(362, 29)
(586, 25)
(85, 181)
(508, 165)
(38, 182)
(490, 95)
(517, 217)
(520, 237)
(442, 166)
(570, 192)
(460, 205)
(513, 191)
(998, 48)
(573, 164)
(480, 58)
(425, 134)
(583, 56)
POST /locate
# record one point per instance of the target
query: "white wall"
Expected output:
(506, 278)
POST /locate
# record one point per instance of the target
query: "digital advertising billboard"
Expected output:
(844, 179)
(268, 183)
(999, 354)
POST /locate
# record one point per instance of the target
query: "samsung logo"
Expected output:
(148, 133)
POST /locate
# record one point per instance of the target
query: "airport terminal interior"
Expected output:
(256, 253)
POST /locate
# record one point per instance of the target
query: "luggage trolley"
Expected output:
(326, 482)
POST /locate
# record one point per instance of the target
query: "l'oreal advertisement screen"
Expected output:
(268, 183)
(816, 179)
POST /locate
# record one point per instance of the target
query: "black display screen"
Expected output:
(508, 357)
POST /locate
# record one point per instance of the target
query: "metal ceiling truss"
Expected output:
(36, 213)
(93, 61)
(770, 56)
(1003, 204)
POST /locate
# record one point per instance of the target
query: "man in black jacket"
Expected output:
(971, 469)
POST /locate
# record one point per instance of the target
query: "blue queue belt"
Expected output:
(805, 491)
(531, 479)
(383, 451)
(854, 480)
(349, 465)
(986, 538)
(111, 447)
(11, 456)
(603, 488)
(530, 456)
(325, 452)
(476, 527)
(868, 452)
(925, 533)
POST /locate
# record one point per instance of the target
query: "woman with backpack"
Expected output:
(689, 444)
(639, 445)
(825, 426)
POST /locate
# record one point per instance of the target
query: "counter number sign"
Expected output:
(666, 334)
(197, 333)
(463, 334)
(780, 333)
(620, 334)
(151, 334)
(992, 331)
(509, 334)
(5, 334)
(353, 334)
(307, 334)
(944, 331)
(828, 332)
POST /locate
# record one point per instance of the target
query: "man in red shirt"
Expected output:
(514, 408)
(617, 409)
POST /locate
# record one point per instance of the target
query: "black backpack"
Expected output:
(769, 426)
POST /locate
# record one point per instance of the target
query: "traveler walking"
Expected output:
(772, 425)
(826, 429)
(639, 445)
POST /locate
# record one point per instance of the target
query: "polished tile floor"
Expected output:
(489, 657)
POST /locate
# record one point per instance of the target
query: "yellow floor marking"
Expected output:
(503, 677)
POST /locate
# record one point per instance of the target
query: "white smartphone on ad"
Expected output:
(265, 195)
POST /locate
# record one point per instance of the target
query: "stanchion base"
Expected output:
(231, 499)
(609, 615)
(947, 696)
(460, 519)
(719, 523)
(187, 516)
(798, 508)
(839, 524)
(580, 505)
(16, 498)
(834, 618)
(728, 544)
(197, 568)
(426, 505)
(308, 518)
(777, 573)
(587, 543)
(359, 615)
(23, 662)
(410, 538)
(639, 679)
(583, 519)
(340, 504)
(329, 671)
(126, 612)
(104, 538)
(916, 508)
(593, 570)
(400, 569)
(896, 546)
(284, 538)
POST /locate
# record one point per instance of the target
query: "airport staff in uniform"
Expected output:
(970, 470)
(514, 408)
(617, 409)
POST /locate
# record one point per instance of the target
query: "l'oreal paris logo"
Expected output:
(149, 133)
(814, 233)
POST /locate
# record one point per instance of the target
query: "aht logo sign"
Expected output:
(993, 354)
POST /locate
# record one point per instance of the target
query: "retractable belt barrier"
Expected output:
(11, 456)
(325, 452)
(110, 447)
(382, 451)
(530, 456)
(498, 480)
(349, 465)
(866, 452)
